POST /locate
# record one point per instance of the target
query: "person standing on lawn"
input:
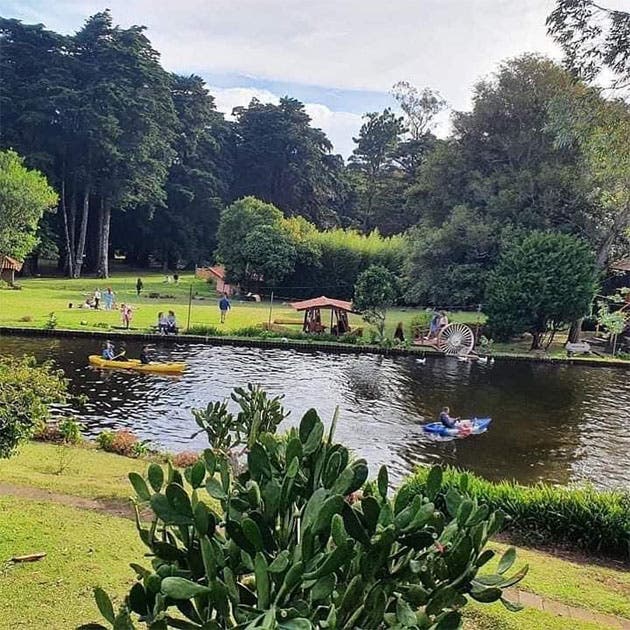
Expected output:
(139, 286)
(97, 298)
(126, 315)
(224, 307)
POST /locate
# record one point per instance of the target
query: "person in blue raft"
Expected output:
(463, 426)
(446, 420)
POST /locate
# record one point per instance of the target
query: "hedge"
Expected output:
(581, 518)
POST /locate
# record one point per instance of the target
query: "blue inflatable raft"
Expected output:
(477, 426)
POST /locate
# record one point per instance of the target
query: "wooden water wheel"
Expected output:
(456, 339)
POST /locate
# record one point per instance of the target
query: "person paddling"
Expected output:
(144, 355)
(122, 353)
(446, 420)
(108, 351)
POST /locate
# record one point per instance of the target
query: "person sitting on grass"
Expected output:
(171, 323)
(162, 325)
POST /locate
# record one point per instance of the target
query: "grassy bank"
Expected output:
(87, 549)
(31, 306)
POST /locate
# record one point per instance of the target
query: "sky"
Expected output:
(340, 57)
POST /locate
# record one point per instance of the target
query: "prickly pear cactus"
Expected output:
(303, 540)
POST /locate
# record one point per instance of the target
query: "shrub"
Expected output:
(51, 322)
(26, 318)
(303, 541)
(580, 518)
(70, 431)
(185, 459)
(122, 442)
(27, 391)
(540, 284)
(375, 291)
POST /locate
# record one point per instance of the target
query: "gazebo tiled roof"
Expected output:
(322, 302)
(6, 262)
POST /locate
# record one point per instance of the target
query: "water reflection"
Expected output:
(553, 423)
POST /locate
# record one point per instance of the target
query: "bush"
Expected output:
(303, 541)
(539, 285)
(185, 459)
(580, 518)
(122, 442)
(27, 391)
(70, 431)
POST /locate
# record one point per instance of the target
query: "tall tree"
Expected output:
(24, 197)
(183, 229)
(373, 159)
(504, 164)
(282, 160)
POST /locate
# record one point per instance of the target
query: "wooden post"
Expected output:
(270, 310)
(189, 307)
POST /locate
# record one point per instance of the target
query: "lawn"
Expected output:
(39, 297)
(87, 549)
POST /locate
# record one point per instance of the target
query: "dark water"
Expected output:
(553, 423)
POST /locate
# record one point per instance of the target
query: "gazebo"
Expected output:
(339, 310)
(8, 267)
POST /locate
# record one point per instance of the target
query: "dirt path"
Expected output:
(113, 507)
(123, 508)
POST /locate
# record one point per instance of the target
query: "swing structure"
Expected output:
(315, 322)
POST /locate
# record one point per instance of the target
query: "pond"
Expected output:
(556, 423)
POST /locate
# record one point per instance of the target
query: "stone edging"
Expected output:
(292, 344)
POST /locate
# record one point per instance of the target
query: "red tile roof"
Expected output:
(322, 302)
(6, 262)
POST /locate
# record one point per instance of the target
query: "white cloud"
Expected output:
(340, 127)
(349, 44)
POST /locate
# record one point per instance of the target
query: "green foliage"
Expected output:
(24, 197)
(70, 431)
(304, 541)
(541, 283)
(238, 221)
(27, 391)
(270, 253)
(51, 322)
(376, 291)
(420, 322)
(580, 518)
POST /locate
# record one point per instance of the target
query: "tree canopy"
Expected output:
(541, 283)
(24, 197)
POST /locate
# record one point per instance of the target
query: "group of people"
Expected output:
(109, 353)
(167, 324)
(96, 298)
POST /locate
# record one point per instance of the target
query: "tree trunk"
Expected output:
(102, 267)
(575, 330)
(80, 251)
(66, 229)
(536, 341)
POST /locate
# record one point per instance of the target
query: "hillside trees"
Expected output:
(284, 161)
(503, 171)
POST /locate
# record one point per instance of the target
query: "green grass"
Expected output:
(41, 296)
(89, 473)
(589, 586)
(496, 617)
(85, 549)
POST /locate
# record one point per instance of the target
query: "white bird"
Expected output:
(462, 358)
(421, 361)
(482, 360)
(284, 340)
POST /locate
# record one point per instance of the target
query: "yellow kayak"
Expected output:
(135, 364)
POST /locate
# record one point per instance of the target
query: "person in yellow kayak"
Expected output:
(108, 351)
(144, 355)
(122, 353)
